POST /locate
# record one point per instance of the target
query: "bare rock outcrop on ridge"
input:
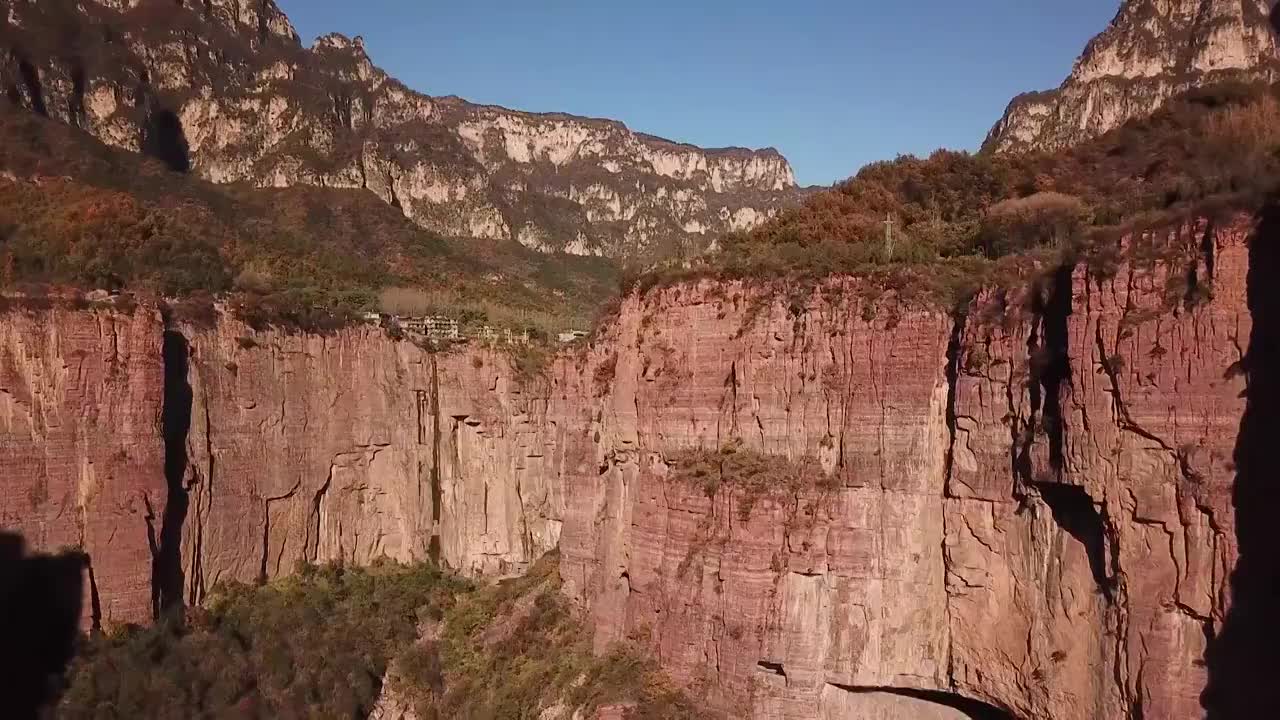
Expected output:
(1153, 50)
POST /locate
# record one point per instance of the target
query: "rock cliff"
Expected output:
(1030, 511)
(1023, 511)
(355, 446)
(224, 88)
(178, 456)
(83, 465)
(1153, 50)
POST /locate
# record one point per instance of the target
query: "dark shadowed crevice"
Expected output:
(95, 601)
(1209, 252)
(1024, 436)
(41, 599)
(31, 82)
(1049, 361)
(772, 668)
(1055, 369)
(164, 139)
(364, 171)
(342, 111)
(175, 420)
(437, 493)
(264, 31)
(312, 548)
(1243, 659)
(731, 383)
(391, 192)
(955, 347)
(973, 709)
(1075, 512)
(78, 88)
(1199, 285)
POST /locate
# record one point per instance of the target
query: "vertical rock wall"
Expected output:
(354, 446)
(180, 456)
(1024, 510)
(1031, 513)
(81, 463)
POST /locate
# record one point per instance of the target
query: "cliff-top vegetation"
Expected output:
(945, 224)
(76, 213)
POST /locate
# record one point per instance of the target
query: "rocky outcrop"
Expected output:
(1022, 511)
(1153, 50)
(1028, 512)
(224, 88)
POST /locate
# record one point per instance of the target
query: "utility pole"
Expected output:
(888, 238)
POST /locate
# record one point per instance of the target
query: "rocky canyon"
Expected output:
(1024, 510)
(804, 489)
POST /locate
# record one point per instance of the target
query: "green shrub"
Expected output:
(314, 645)
(750, 474)
(509, 651)
(319, 644)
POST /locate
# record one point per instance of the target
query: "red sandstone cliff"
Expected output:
(355, 446)
(80, 456)
(180, 456)
(1033, 506)
(1026, 510)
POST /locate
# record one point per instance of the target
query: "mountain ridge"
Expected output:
(239, 98)
(1151, 51)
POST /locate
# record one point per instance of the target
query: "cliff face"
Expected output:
(226, 89)
(1031, 507)
(1025, 511)
(180, 456)
(1153, 50)
(354, 446)
(81, 394)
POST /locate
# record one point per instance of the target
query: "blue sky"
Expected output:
(833, 85)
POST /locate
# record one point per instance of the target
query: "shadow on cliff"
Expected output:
(967, 707)
(1244, 658)
(166, 546)
(163, 138)
(40, 608)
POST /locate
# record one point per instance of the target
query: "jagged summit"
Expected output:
(1153, 50)
(227, 89)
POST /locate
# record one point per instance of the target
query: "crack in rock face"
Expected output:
(175, 420)
(892, 702)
